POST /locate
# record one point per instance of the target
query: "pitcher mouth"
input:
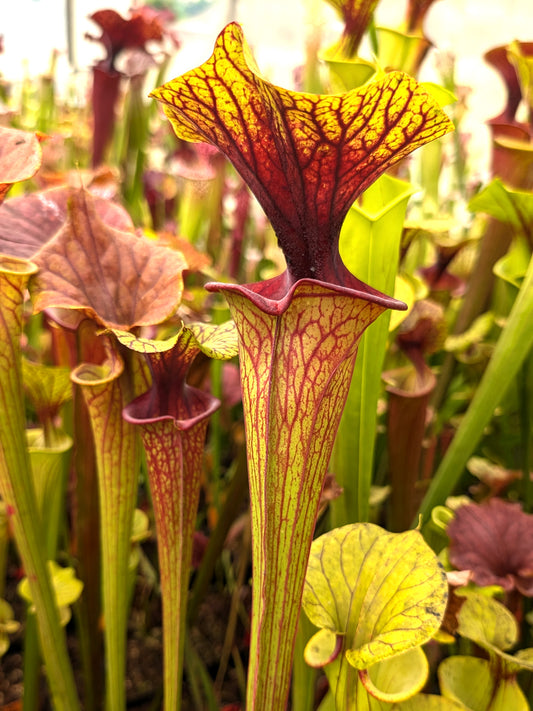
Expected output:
(273, 296)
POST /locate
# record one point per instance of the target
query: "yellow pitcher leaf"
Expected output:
(385, 592)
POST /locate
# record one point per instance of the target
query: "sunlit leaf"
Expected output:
(20, 157)
(384, 592)
(346, 73)
(215, 341)
(443, 96)
(306, 157)
(30, 221)
(399, 50)
(117, 278)
(406, 289)
(369, 247)
(512, 267)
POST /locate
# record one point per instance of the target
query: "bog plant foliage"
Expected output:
(260, 348)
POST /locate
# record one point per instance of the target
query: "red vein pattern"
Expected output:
(117, 278)
(105, 389)
(295, 370)
(306, 157)
(172, 418)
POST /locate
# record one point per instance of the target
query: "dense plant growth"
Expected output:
(265, 380)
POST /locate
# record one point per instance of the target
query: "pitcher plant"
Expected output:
(306, 158)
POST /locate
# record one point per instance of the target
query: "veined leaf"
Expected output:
(29, 221)
(384, 592)
(172, 417)
(117, 278)
(16, 485)
(218, 341)
(306, 157)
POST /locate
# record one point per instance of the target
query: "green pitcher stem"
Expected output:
(117, 450)
(16, 487)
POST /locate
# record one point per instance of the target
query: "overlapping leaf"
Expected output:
(398, 678)
(173, 420)
(498, 58)
(170, 360)
(114, 277)
(479, 683)
(520, 55)
(475, 684)
(306, 157)
(30, 221)
(8, 625)
(370, 247)
(214, 340)
(67, 587)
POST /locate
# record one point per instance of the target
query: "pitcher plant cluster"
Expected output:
(253, 367)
